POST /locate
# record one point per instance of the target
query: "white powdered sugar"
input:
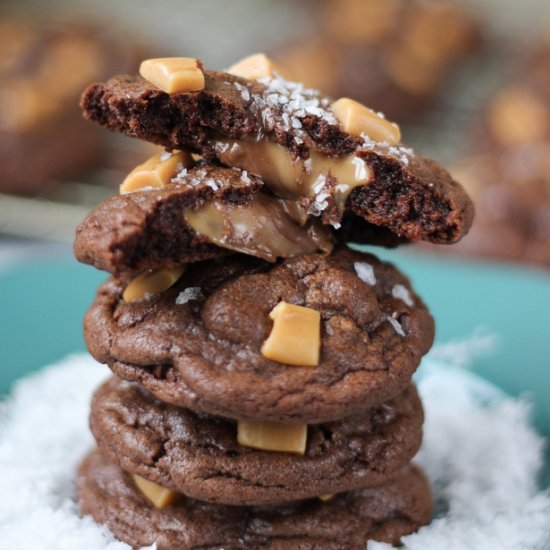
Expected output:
(479, 451)
(189, 294)
(365, 272)
(43, 436)
(402, 293)
(165, 156)
(482, 459)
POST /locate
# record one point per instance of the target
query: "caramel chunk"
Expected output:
(22, 106)
(173, 74)
(159, 496)
(327, 497)
(295, 338)
(273, 436)
(254, 67)
(156, 171)
(151, 282)
(356, 119)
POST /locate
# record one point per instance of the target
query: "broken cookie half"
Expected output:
(337, 167)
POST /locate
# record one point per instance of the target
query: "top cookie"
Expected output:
(303, 147)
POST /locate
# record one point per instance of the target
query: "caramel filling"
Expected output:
(292, 180)
(265, 227)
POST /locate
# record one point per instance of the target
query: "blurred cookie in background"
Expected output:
(43, 68)
(393, 55)
(508, 175)
(512, 197)
(519, 114)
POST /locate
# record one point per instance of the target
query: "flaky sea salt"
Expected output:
(284, 103)
(479, 452)
(245, 93)
(212, 184)
(244, 177)
(396, 325)
(189, 294)
(399, 152)
(402, 293)
(182, 172)
(365, 272)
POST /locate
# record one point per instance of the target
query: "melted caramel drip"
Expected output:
(266, 227)
(290, 179)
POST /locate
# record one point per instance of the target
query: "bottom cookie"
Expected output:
(349, 520)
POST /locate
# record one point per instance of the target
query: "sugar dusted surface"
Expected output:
(480, 453)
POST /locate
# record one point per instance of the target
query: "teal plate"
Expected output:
(43, 305)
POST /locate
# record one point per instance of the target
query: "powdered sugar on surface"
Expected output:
(479, 452)
(43, 436)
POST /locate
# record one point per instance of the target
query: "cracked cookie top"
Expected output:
(294, 139)
(198, 344)
(199, 455)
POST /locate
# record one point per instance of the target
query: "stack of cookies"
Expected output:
(262, 395)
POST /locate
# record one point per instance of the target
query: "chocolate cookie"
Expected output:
(198, 343)
(274, 128)
(393, 56)
(154, 228)
(507, 173)
(199, 456)
(42, 135)
(385, 513)
(512, 196)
